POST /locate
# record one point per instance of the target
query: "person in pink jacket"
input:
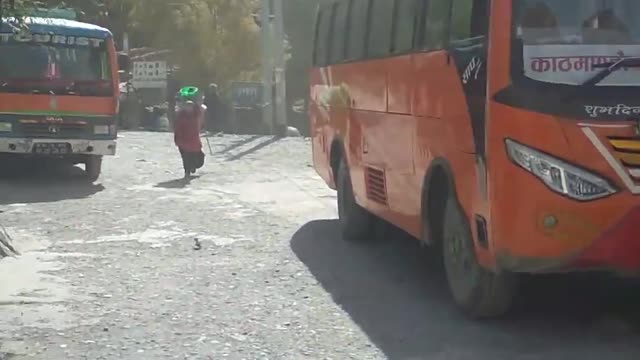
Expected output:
(189, 121)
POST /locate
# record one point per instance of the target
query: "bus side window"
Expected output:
(404, 25)
(480, 18)
(469, 18)
(340, 15)
(436, 24)
(322, 38)
(380, 27)
(357, 29)
(316, 35)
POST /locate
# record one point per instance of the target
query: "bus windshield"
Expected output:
(563, 41)
(54, 69)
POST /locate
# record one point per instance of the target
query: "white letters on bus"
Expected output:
(51, 39)
(473, 68)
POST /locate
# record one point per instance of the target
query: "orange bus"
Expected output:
(59, 91)
(504, 132)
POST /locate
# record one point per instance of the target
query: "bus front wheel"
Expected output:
(356, 221)
(93, 167)
(480, 292)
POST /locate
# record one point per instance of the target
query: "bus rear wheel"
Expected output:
(480, 292)
(93, 167)
(356, 221)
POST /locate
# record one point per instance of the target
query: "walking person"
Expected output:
(189, 120)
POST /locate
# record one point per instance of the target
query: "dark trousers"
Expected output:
(192, 160)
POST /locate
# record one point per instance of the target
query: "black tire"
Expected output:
(481, 293)
(356, 222)
(93, 167)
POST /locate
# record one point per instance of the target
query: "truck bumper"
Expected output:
(78, 146)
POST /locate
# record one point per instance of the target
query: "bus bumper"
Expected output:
(77, 146)
(615, 249)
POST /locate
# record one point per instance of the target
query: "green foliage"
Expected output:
(212, 40)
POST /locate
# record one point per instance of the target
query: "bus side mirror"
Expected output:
(124, 62)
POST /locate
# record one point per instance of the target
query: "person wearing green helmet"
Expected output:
(189, 120)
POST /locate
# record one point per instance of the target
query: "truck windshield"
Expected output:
(69, 70)
(562, 42)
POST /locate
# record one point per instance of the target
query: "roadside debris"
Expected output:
(197, 245)
(6, 247)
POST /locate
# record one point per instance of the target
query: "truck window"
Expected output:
(40, 62)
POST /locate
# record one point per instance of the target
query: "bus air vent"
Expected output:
(627, 151)
(376, 185)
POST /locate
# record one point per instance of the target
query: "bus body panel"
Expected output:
(403, 151)
(439, 95)
(64, 105)
(401, 84)
(521, 202)
(443, 130)
(322, 133)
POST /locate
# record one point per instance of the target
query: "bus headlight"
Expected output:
(6, 127)
(558, 175)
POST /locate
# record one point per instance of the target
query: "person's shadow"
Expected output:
(180, 183)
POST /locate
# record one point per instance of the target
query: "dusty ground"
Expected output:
(109, 271)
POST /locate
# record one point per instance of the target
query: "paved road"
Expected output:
(109, 271)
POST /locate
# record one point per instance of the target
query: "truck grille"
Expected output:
(53, 130)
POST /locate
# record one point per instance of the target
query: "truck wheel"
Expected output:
(480, 292)
(356, 222)
(93, 167)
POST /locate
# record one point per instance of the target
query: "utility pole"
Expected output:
(280, 122)
(267, 64)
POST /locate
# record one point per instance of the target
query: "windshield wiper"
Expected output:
(610, 68)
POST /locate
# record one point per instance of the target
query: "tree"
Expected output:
(211, 40)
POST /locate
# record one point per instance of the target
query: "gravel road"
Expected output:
(112, 271)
